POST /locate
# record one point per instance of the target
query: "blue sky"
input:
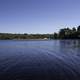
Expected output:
(38, 16)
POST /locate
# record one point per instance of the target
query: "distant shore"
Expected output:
(65, 33)
(27, 39)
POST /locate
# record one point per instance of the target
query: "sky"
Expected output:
(38, 16)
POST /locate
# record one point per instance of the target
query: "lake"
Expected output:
(39, 60)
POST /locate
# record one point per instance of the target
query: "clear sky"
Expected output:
(38, 16)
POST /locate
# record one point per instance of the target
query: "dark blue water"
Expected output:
(40, 60)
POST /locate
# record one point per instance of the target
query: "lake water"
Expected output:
(40, 60)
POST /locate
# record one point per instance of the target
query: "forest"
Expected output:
(67, 33)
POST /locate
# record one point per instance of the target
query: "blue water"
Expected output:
(39, 60)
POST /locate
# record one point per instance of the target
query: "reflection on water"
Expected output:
(40, 60)
(70, 43)
(70, 46)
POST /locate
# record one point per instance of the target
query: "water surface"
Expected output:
(40, 60)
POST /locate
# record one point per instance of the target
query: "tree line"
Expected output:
(65, 33)
(9, 36)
